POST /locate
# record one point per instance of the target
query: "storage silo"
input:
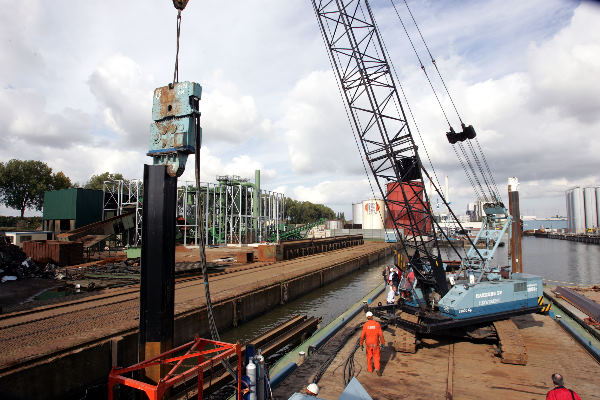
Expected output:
(576, 210)
(373, 214)
(598, 205)
(590, 208)
(357, 213)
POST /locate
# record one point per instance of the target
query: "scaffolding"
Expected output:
(123, 197)
(234, 210)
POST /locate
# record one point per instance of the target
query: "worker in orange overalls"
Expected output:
(373, 336)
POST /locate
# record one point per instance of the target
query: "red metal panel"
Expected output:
(398, 211)
(54, 251)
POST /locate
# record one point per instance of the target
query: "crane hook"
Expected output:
(180, 4)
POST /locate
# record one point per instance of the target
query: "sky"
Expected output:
(76, 83)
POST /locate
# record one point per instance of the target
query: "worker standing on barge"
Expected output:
(372, 335)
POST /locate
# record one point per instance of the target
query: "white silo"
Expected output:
(590, 208)
(357, 213)
(373, 214)
(598, 205)
(575, 210)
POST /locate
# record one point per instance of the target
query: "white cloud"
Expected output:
(124, 94)
(228, 115)
(26, 122)
(335, 193)
(317, 132)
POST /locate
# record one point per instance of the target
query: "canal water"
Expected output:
(554, 260)
(327, 302)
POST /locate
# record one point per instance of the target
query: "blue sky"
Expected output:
(77, 78)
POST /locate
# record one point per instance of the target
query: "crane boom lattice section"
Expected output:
(357, 54)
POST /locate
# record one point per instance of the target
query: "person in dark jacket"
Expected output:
(560, 392)
(394, 277)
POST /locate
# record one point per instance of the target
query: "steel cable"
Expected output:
(407, 103)
(176, 71)
(199, 217)
(493, 191)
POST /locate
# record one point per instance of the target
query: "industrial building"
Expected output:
(68, 209)
(583, 209)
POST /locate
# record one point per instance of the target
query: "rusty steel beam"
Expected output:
(584, 304)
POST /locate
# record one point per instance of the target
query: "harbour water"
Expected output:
(555, 260)
(327, 302)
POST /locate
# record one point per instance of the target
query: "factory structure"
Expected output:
(583, 209)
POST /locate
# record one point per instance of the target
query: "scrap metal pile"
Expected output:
(14, 264)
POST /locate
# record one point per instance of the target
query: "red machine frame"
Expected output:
(194, 348)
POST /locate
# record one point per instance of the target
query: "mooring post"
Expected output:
(515, 239)
(157, 283)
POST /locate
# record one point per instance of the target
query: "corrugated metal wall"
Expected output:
(82, 205)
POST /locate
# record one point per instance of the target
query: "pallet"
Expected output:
(513, 350)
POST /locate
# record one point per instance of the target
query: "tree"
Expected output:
(23, 183)
(302, 212)
(97, 181)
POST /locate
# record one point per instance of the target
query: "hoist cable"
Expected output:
(475, 178)
(494, 189)
(487, 184)
(488, 168)
(468, 160)
(214, 332)
(432, 60)
(176, 71)
(421, 64)
(406, 102)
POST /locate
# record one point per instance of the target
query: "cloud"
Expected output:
(564, 69)
(26, 121)
(335, 192)
(124, 94)
(228, 115)
(212, 165)
(318, 135)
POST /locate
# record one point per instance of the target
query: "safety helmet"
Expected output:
(313, 388)
(369, 314)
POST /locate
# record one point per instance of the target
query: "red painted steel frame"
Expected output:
(194, 348)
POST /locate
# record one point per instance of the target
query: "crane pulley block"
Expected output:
(180, 4)
(176, 124)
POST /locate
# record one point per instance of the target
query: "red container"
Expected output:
(54, 251)
(397, 205)
(267, 253)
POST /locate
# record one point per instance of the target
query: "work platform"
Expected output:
(460, 369)
(58, 349)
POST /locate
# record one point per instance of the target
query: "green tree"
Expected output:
(302, 212)
(23, 183)
(97, 181)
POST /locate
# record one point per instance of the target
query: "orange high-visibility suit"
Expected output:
(373, 337)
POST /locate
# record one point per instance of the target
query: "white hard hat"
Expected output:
(369, 314)
(313, 388)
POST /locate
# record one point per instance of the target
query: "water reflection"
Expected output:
(558, 260)
(327, 302)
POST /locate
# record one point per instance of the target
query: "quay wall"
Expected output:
(67, 374)
(589, 239)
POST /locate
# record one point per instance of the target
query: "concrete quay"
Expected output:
(59, 351)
